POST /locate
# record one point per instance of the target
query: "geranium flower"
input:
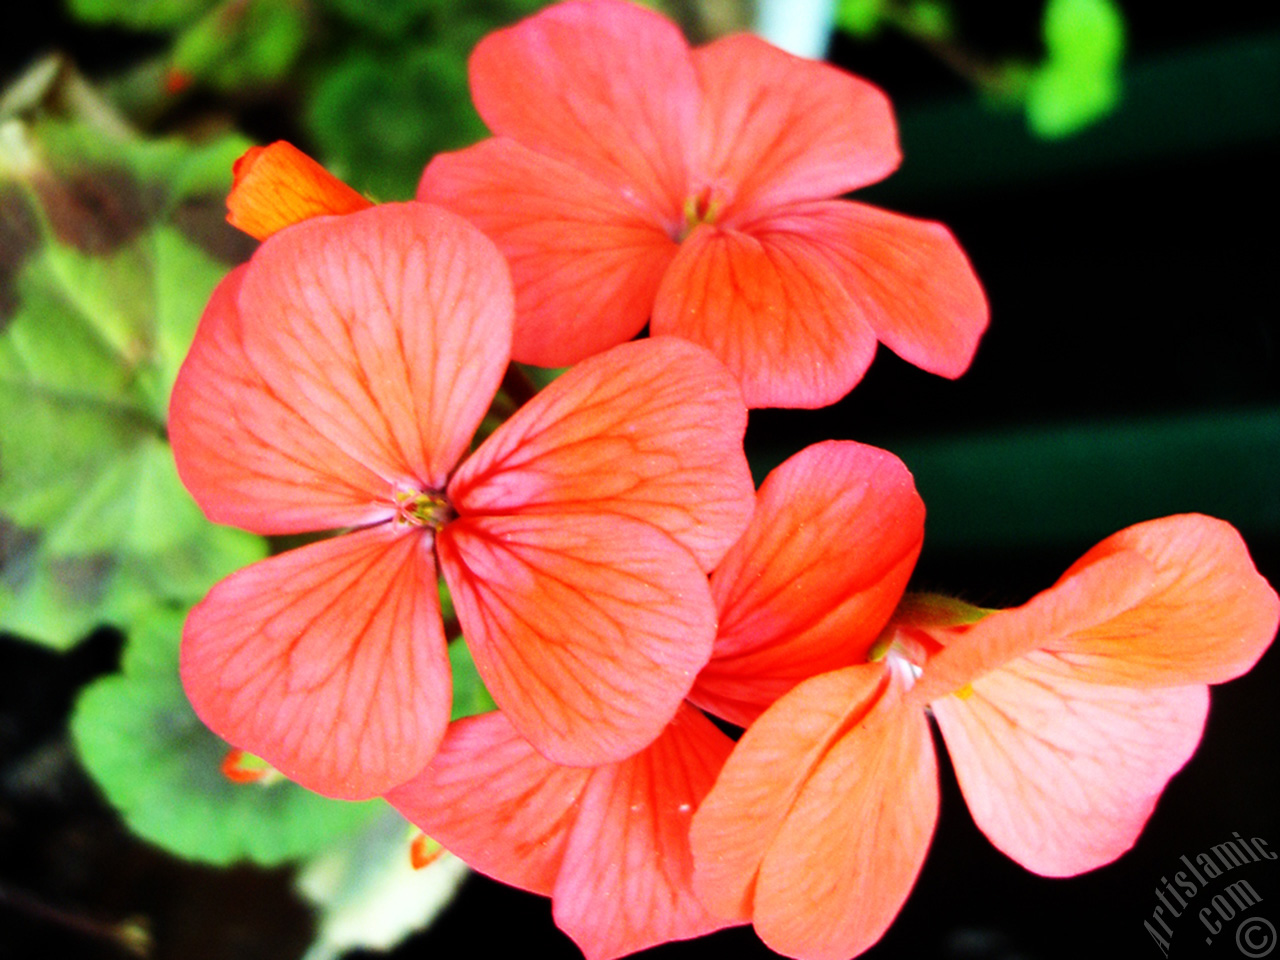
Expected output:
(608, 844)
(633, 180)
(335, 382)
(1064, 717)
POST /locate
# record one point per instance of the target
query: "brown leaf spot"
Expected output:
(203, 221)
(94, 211)
(19, 238)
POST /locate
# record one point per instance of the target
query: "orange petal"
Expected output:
(491, 799)
(1061, 774)
(328, 661)
(1207, 614)
(603, 85)
(853, 843)
(248, 458)
(587, 630)
(1081, 599)
(651, 430)
(910, 279)
(815, 578)
(586, 262)
(774, 313)
(279, 185)
(738, 821)
(626, 883)
(775, 129)
(378, 339)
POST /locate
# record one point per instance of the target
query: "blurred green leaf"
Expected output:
(1061, 100)
(862, 18)
(469, 694)
(161, 769)
(139, 14)
(378, 118)
(117, 246)
(1084, 31)
(240, 43)
(1079, 81)
(367, 893)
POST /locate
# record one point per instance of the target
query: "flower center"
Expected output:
(703, 206)
(422, 508)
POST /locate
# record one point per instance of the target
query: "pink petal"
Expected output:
(588, 630)
(603, 85)
(1206, 615)
(910, 279)
(1061, 774)
(1081, 599)
(626, 883)
(775, 129)
(585, 261)
(327, 661)
(815, 578)
(852, 845)
(772, 311)
(491, 799)
(742, 815)
(247, 457)
(387, 330)
(651, 430)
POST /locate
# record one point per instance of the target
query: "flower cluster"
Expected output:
(614, 574)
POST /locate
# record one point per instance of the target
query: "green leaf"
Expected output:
(139, 14)
(239, 44)
(367, 893)
(378, 118)
(862, 18)
(118, 244)
(469, 694)
(1079, 81)
(161, 769)
(1062, 99)
(1084, 31)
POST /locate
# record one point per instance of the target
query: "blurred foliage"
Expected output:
(160, 767)
(111, 248)
(1076, 84)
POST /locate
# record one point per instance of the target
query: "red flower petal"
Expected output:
(247, 457)
(387, 330)
(775, 314)
(609, 843)
(279, 185)
(603, 85)
(1206, 617)
(588, 630)
(909, 278)
(1061, 774)
(853, 843)
(651, 430)
(815, 578)
(491, 799)
(738, 821)
(327, 661)
(585, 261)
(1081, 599)
(775, 129)
(626, 883)
(821, 819)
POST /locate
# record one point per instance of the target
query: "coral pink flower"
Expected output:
(633, 180)
(336, 381)
(1064, 717)
(609, 844)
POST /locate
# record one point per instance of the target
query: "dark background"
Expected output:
(1132, 370)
